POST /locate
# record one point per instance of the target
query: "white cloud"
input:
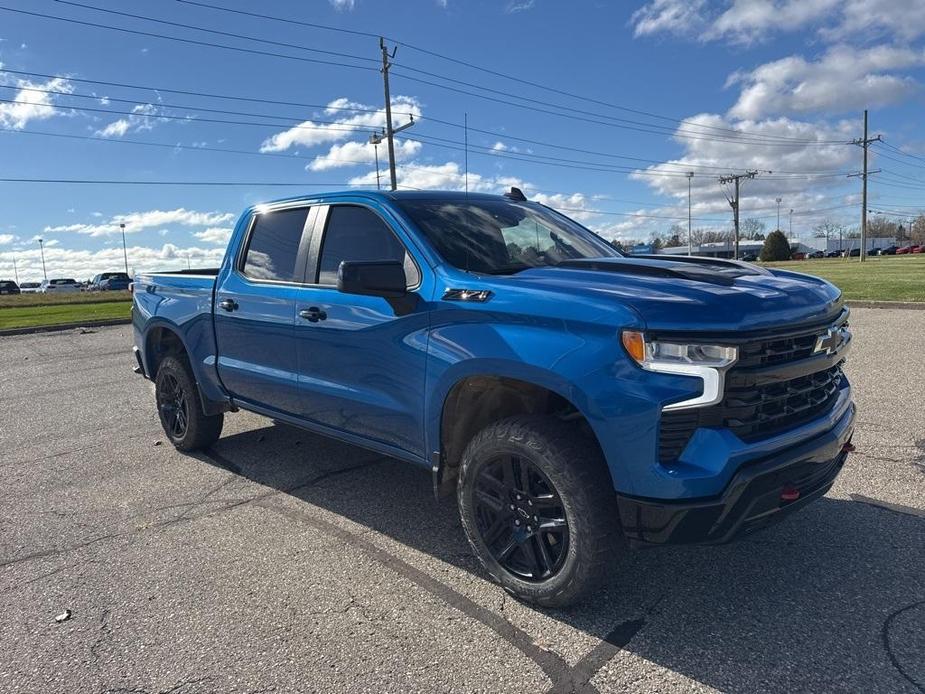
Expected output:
(83, 264)
(748, 21)
(37, 105)
(678, 17)
(843, 78)
(117, 128)
(312, 134)
(219, 235)
(353, 153)
(143, 117)
(139, 221)
(6, 239)
(343, 5)
(520, 6)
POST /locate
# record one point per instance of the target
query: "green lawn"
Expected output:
(55, 299)
(879, 278)
(30, 315)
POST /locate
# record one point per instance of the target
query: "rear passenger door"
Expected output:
(255, 310)
(361, 358)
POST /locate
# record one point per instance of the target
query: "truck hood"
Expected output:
(701, 294)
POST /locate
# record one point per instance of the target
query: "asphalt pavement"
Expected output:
(285, 562)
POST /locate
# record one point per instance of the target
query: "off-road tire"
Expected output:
(201, 430)
(572, 462)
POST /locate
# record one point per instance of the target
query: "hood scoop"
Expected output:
(711, 271)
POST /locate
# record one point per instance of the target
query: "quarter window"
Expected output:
(274, 245)
(359, 234)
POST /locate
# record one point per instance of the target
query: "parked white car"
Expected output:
(59, 286)
(29, 287)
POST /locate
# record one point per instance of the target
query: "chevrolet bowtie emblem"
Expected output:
(829, 341)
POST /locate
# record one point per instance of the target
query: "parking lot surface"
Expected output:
(285, 562)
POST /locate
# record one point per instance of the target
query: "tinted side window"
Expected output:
(274, 245)
(357, 233)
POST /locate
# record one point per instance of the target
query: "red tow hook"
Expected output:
(789, 494)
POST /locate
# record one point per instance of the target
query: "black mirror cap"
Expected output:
(384, 278)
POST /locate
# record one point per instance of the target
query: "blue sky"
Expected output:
(712, 87)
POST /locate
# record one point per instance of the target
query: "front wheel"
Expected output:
(538, 507)
(179, 408)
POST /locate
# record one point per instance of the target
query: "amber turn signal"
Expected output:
(635, 345)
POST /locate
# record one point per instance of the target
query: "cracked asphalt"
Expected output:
(285, 562)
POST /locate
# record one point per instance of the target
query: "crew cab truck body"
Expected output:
(577, 401)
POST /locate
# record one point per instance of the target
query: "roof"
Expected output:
(447, 195)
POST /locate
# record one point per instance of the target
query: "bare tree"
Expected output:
(829, 230)
(917, 229)
(752, 228)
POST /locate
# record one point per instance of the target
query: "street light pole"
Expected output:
(124, 252)
(690, 241)
(778, 213)
(15, 271)
(791, 222)
(42, 251)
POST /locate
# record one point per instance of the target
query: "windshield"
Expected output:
(502, 237)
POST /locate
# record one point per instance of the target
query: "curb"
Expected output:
(64, 326)
(912, 305)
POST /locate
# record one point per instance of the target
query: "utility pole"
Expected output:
(690, 239)
(778, 213)
(42, 251)
(15, 271)
(791, 222)
(124, 252)
(864, 142)
(734, 202)
(389, 130)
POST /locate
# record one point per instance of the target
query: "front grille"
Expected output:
(755, 412)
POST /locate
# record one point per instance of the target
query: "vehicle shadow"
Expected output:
(830, 599)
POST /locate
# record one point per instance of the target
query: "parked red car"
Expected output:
(904, 250)
(917, 249)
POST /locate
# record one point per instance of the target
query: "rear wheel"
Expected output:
(538, 507)
(180, 410)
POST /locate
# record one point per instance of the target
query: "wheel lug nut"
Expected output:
(516, 522)
(512, 507)
(536, 518)
(519, 497)
(529, 528)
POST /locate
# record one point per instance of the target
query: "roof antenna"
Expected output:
(516, 194)
(466, 139)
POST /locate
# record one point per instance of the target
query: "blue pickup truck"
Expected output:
(578, 402)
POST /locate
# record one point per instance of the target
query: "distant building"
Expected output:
(726, 249)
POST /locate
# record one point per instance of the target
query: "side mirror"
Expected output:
(384, 278)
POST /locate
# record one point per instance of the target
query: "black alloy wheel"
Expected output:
(171, 404)
(521, 518)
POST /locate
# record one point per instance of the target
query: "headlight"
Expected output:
(705, 361)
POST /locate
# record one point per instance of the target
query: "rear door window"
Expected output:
(273, 246)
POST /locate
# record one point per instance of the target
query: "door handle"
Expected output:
(313, 314)
(228, 304)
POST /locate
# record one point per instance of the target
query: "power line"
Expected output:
(684, 165)
(185, 92)
(658, 130)
(496, 73)
(216, 32)
(195, 42)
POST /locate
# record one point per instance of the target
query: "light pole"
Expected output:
(791, 222)
(690, 240)
(124, 252)
(15, 271)
(778, 213)
(42, 251)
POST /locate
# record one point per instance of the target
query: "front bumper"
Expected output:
(752, 498)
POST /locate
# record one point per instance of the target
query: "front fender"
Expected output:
(586, 366)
